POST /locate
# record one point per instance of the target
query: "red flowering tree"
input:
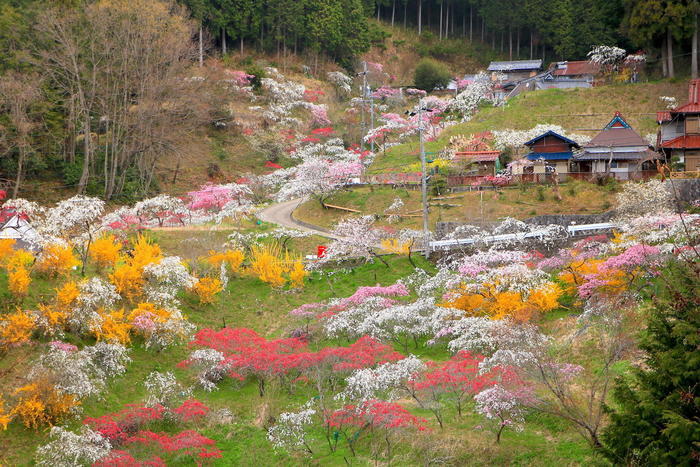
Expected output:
(452, 381)
(376, 417)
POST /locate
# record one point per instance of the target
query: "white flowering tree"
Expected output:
(356, 237)
(68, 449)
(78, 219)
(160, 208)
(290, 430)
(608, 57)
(503, 408)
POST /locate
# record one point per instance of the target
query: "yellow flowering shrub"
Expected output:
(7, 246)
(66, 295)
(5, 418)
(19, 259)
(56, 259)
(266, 263)
(52, 320)
(16, 328)
(206, 289)
(145, 252)
(128, 280)
(298, 274)
(18, 282)
(114, 327)
(105, 251)
(233, 258)
(41, 404)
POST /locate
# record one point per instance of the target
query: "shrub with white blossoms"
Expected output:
(608, 57)
(165, 279)
(163, 389)
(82, 373)
(515, 139)
(289, 431)
(372, 383)
(68, 449)
(467, 102)
(159, 209)
(643, 198)
(95, 293)
(502, 407)
(210, 367)
(670, 101)
(342, 82)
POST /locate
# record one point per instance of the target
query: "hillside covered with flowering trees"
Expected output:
(116, 352)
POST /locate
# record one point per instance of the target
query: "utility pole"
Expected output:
(371, 127)
(364, 92)
(423, 183)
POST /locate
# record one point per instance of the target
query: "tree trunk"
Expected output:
(483, 25)
(510, 43)
(664, 60)
(420, 17)
(405, 11)
(201, 46)
(20, 169)
(241, 46)
(669, 42)
(471, 23)
(532, 50)
(694, 50)
(393, 12)
(517, 43)
(441, 3)
(378, 10)
(503, 37)
(87, 151)
(223, 41)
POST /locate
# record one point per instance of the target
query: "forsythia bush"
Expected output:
(233, 258)
(51, 321)
(298, 274)
(66, 295)
(16, 328)
(18, 281)
(19, 259)
(56, 259)
(129, 281)
(508, 304)
(5, 417)
(267, 264)
(105, 251)
(207, 288)
(6, 249)
(128, 277)
(40, 404)
(113, 327)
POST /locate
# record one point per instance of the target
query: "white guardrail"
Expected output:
(571, 230)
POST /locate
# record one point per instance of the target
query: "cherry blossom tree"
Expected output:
(503, 408)
(160, 208)
(356, 237)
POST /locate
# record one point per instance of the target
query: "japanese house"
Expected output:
(679, 131)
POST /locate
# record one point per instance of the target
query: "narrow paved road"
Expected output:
(281, 214)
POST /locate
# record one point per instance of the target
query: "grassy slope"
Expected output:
(249, 303)
(521, 203)
(637, 102)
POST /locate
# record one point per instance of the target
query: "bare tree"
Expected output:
(18, 92)
(125, 67)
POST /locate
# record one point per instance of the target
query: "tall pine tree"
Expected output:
(656, 420)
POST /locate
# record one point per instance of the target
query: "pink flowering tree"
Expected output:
(503, 408)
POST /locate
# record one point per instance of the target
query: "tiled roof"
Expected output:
(690, 107)
(663, 116)
(478, 156)
(581, 67)
(515, 65)
(616, 137)
(683, 142)
(551, 133)
(550, 156)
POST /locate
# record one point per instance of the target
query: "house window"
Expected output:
(614, 165)
(692, 125)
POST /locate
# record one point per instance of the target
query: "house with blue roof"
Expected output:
(549, 151)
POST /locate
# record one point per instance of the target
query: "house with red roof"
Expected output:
(617, 150)
(581, 70)
(679, 130)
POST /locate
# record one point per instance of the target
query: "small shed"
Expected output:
(485, 162)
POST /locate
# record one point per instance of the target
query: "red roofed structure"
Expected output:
(486, 161)
(679, 131)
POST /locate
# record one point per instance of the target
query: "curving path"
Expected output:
(281, 214)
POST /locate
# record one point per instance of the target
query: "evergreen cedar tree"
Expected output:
(655, 418)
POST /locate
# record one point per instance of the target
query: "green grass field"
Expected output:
(468, 207)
